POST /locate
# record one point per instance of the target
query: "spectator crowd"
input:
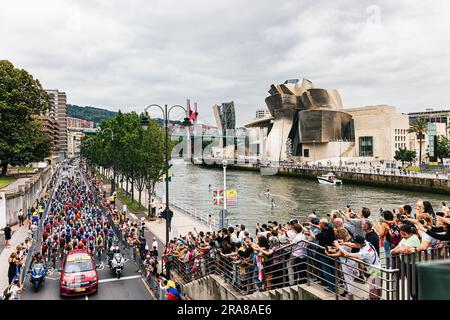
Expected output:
(274, 255)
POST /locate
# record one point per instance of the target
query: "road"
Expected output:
(131, 286)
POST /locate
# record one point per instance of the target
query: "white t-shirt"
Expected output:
(433, 242)
(369, 255)
(155, 244)
(15, 292)
(241, 236)
(290, 234)
(299, 249)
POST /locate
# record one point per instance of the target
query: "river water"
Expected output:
(293, 197)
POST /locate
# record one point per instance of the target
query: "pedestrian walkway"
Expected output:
(181, 223)
(17, 238)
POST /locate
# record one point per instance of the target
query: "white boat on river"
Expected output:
(329, 179)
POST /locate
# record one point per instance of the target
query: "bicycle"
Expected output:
(99, 252)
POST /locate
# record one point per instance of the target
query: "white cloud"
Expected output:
(128, 54)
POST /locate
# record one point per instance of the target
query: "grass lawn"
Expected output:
(133, 206)
(17, 170)
(4, 181)
(414, 169)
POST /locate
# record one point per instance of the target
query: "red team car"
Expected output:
(78, 274)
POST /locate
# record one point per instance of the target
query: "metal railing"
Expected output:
(38, 234)
(194, 267)
(285, 267)
(408, 284)
(200, 215)
(353, 169)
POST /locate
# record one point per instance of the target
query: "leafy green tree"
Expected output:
(22, 98)
(419, 127)
(153, 147)
(135, 153)
(443, 147)
(404, 155)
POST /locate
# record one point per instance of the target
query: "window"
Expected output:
(366, 146)
(306, 153)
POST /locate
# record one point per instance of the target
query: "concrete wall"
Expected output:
(395, 182)
(11, 201)
(380, 122)
(321, 151)
(213, 287)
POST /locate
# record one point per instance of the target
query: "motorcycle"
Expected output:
(117, 264)
(37, 275)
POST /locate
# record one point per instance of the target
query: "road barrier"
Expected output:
(37, 236)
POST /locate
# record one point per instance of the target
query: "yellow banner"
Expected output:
(232, 197)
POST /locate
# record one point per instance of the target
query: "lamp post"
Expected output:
(314, 151)
(113, 181)
(145, 123)
(224, 211)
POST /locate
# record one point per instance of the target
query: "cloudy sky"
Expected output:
(128, 54)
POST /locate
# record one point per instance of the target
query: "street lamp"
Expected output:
(144, 124)
(113, 181)
(224, 211)
(314, 151)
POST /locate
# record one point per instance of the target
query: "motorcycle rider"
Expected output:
(37, 258)
(113, 250)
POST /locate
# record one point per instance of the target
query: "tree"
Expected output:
(136, 154)
(443, 147)
(419, 127)
(22, 98)
(404, 155)
(152, 168)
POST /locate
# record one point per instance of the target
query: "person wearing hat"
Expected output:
(369, 256)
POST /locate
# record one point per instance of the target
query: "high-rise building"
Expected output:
(58, 111)
(225, 116)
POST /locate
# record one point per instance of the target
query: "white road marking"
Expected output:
(115, 279)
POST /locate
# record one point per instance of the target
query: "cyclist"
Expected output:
(100, 243)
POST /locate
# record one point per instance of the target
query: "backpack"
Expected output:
(393, 235)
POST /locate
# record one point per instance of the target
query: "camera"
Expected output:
(305, 224)
(422, 222)
(401, 217)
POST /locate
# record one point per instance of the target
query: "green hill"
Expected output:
(98, 115)
(89, 113)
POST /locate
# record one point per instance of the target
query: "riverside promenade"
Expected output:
(438, 183)
(182, 222)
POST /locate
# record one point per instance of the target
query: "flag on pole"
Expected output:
(232, 197)
(218, 197)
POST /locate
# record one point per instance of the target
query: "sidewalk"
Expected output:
(181, 222)
(17, 238)
(19, 235)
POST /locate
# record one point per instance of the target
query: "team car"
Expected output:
(78, 274)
